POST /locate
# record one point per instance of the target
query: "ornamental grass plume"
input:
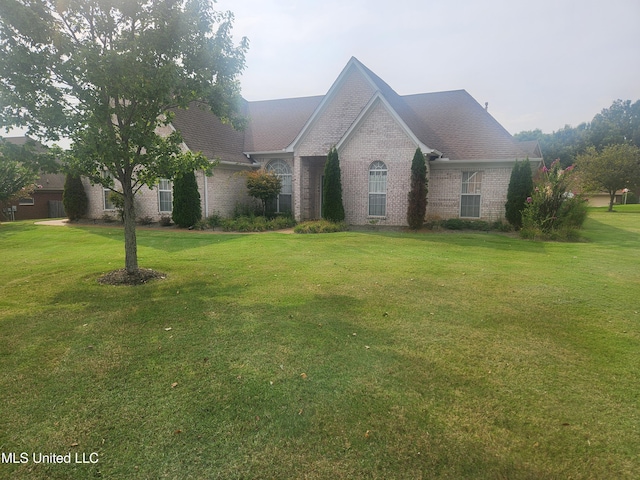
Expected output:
(552, 206)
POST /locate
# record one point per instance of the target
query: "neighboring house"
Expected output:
(46, 199)
(602, 199)
(376, 132)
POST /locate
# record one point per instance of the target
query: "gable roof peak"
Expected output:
(377, 82)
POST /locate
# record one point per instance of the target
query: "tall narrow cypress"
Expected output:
(74, 198)
(186, 201)
(520, 188)
(332, 207)
(417, 199)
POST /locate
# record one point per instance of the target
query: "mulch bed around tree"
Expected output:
(121, 277)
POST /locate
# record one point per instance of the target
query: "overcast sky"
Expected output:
(539, 63)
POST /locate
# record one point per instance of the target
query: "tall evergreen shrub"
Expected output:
(332, 207)
(187, 210)
(520, 188)
(74, 198)
(418, 193)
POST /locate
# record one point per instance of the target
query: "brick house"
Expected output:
(376, 132)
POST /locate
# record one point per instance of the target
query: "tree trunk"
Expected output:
(130, 242)
(612, 197)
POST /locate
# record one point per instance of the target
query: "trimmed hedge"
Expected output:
(320, 226)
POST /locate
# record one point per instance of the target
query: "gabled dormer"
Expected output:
(342, 105)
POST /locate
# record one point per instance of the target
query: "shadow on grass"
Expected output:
(167, 241)
(369, 403)
(494, 241)
(605, 233)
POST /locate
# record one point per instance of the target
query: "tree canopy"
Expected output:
(618, 124)
(20, 166)
(108, 74)
(614, 168)
(16, 177)
(264, 186)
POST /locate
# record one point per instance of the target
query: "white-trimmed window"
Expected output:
(165, 195)
(26, 201)
(106, 193)
(470, 198)
(377, 189)
(282, 203)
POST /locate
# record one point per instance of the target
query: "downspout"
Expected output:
(206, 196)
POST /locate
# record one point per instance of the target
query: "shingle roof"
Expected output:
(274, 124)
(459, 127)
(203, 132)
(531, 148)
(453, 123)
(47, 181)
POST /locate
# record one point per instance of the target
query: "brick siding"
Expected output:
(445, 188)
(378, 138)
(337, 116)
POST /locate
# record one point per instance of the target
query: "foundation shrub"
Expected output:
(320, 226)
(462, 224)
(257, 223)
(214, 220)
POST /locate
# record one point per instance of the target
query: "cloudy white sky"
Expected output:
(539, 63)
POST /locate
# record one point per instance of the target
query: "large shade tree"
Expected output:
(108, 74)
(614, 168)
(618, 124)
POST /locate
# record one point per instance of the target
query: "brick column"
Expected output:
(296, 185)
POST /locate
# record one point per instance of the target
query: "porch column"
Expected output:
(296, 183)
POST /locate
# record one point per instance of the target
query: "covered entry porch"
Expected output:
(310, 188)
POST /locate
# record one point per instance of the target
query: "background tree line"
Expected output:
(619, 124)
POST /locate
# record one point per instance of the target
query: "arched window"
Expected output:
(282, 203)
(377, 189)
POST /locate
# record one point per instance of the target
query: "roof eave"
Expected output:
(236, 164)
(486, 162)
(266, 152)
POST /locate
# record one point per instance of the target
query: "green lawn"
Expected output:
(346, 355)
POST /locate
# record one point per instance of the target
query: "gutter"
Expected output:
(236, 164)
(206, 195)
(267, 152)
(480, 162)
